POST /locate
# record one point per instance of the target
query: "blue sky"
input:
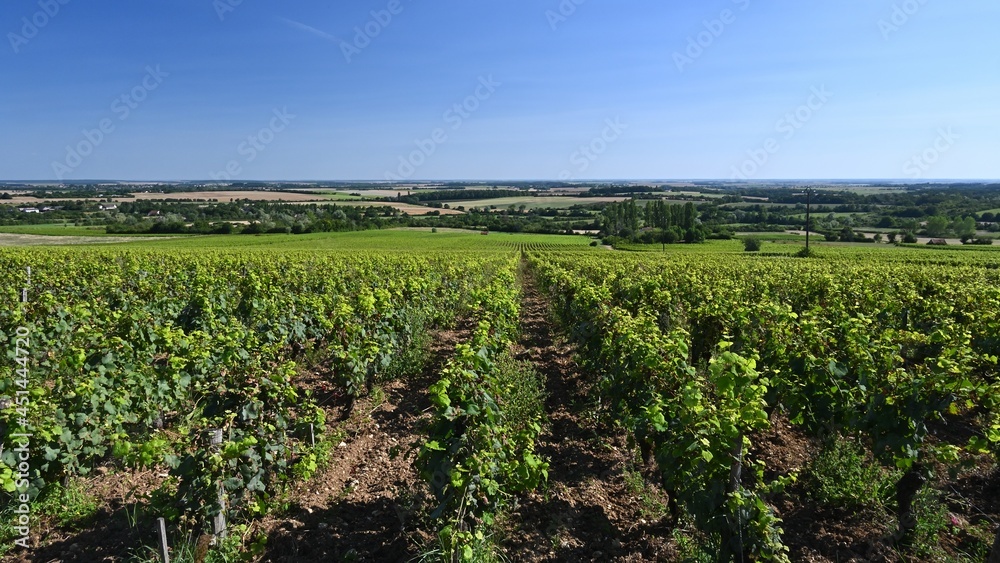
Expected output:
(491, 89)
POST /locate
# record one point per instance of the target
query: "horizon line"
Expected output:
(899, 181)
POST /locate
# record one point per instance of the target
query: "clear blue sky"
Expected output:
(605, 89)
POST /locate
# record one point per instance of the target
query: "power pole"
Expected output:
(808, 213)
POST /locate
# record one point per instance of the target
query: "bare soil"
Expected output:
(813, 533)
(110, 535)
(586, 512)
(823, 534)
(15, 239)
(368, 503)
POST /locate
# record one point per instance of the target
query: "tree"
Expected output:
(752, 244)
(965, 227)
(694, 234)
(689, 216)
(937, 226)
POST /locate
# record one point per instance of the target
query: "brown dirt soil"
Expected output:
(823, 534)
(813, 533)
(586, 512)
(14, 239)
(367, 503)
(368, 500)
(108, 535)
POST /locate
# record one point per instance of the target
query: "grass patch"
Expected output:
(70, 506)
(653, 501)
(842, 476)
(239, 545)
(693, 546)
(484, 549)
(524, 399)
(937, 527)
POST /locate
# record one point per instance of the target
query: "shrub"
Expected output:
(841, 476)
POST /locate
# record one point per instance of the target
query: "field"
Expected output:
(401, 240)
(60, 230)
(404, 207)
(401, 189)
(452, 396)
(221, 195)
(7, 239)
(534, 202)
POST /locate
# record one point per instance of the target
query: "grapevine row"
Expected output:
(140, 357)
(488, 415)
(696, 356)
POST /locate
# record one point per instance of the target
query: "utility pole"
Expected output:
(808, 213)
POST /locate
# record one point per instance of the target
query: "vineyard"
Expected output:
(457, 397)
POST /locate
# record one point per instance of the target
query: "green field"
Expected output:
(64, 230)
(555, 202)
(783, 244)
(825, 214)
(750, 204)
(406, 240)
(769, 236)
(341, 196)
(423, 239)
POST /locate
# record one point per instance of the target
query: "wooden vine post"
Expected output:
(161, 534)
(995, 554)
(219, 520)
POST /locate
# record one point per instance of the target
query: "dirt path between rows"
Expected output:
(367, 503)
(587, 512)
